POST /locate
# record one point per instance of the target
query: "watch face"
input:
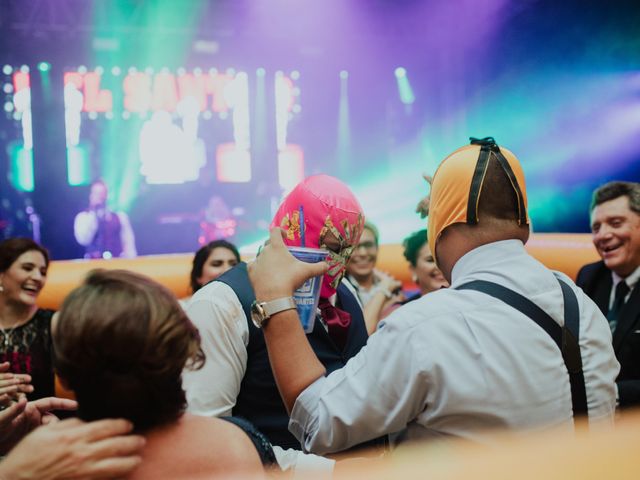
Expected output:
(257, 314)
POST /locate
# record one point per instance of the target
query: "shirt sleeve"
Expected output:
(127, 237)
(85, 227)
(217, 313)
(379, 391)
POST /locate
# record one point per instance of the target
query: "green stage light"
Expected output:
(44, 66)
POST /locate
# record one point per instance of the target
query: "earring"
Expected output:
(1, 289)
(414, 278)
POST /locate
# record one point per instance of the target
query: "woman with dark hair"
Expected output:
(25, 330)
(126, 361)
(209, 262)
(424, 271)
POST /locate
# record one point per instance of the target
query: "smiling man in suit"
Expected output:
(613, 282)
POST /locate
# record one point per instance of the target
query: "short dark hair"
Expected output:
(121, 344)
(612, 190)
(12, 248)
(412, 245)
(498, 199)
(201, 257)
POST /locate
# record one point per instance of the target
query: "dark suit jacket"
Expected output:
(595, 279)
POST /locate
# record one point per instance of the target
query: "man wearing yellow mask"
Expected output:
(498, 349)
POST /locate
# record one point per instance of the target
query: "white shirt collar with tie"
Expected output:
(631, 281)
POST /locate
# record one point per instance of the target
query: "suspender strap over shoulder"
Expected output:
(566, 338)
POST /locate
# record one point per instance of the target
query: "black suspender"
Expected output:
(566, 338)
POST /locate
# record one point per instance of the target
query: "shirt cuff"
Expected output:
(303, 423)
(302, 464)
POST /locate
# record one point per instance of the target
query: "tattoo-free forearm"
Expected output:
(295, 365)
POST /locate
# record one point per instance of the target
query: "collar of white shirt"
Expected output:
(484, 258)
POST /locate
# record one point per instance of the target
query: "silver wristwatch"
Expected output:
(261, 312)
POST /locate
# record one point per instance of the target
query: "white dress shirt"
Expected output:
(212, 390)
(631, 281)
(456, 363)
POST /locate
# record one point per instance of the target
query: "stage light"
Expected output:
(24, 69)
(261, 72)
(343, 153)
(197, 71)
(148, 71)
(44, 66)
(115, 71)
(99, 70)
(213, 71)
(8, 107)
(108, 115)
(295, 75)
(93, 115)
(296, 108)
(404, 87)
(7, 69)
(132, 70)
(181, 71)
(82, 69)
(206, 46)
(8, 88)
(231, 72)
(126, 115)
(206, 115)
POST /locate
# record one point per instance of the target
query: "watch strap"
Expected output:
(279, 305)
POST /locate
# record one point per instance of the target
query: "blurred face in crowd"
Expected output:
(363, 259)
(25, 278)
(426, 274)
(616, 235)
(98, 195)
(220, 260)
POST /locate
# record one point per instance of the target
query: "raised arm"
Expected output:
(276, 274)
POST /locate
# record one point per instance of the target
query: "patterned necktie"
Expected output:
(622, 289)
(337, 321)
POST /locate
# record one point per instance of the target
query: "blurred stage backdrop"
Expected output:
(200, 114)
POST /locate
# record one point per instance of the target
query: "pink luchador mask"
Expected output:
(317, 208)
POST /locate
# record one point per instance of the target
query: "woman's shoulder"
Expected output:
(195, 444)
(41, 320)
(230, 444)
(229, 439)
(44, 314)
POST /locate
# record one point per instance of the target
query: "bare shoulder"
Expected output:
(207, 446)
(232, 446)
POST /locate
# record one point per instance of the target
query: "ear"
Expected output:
(414, 276)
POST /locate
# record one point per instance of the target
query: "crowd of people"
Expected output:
(227, 380)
